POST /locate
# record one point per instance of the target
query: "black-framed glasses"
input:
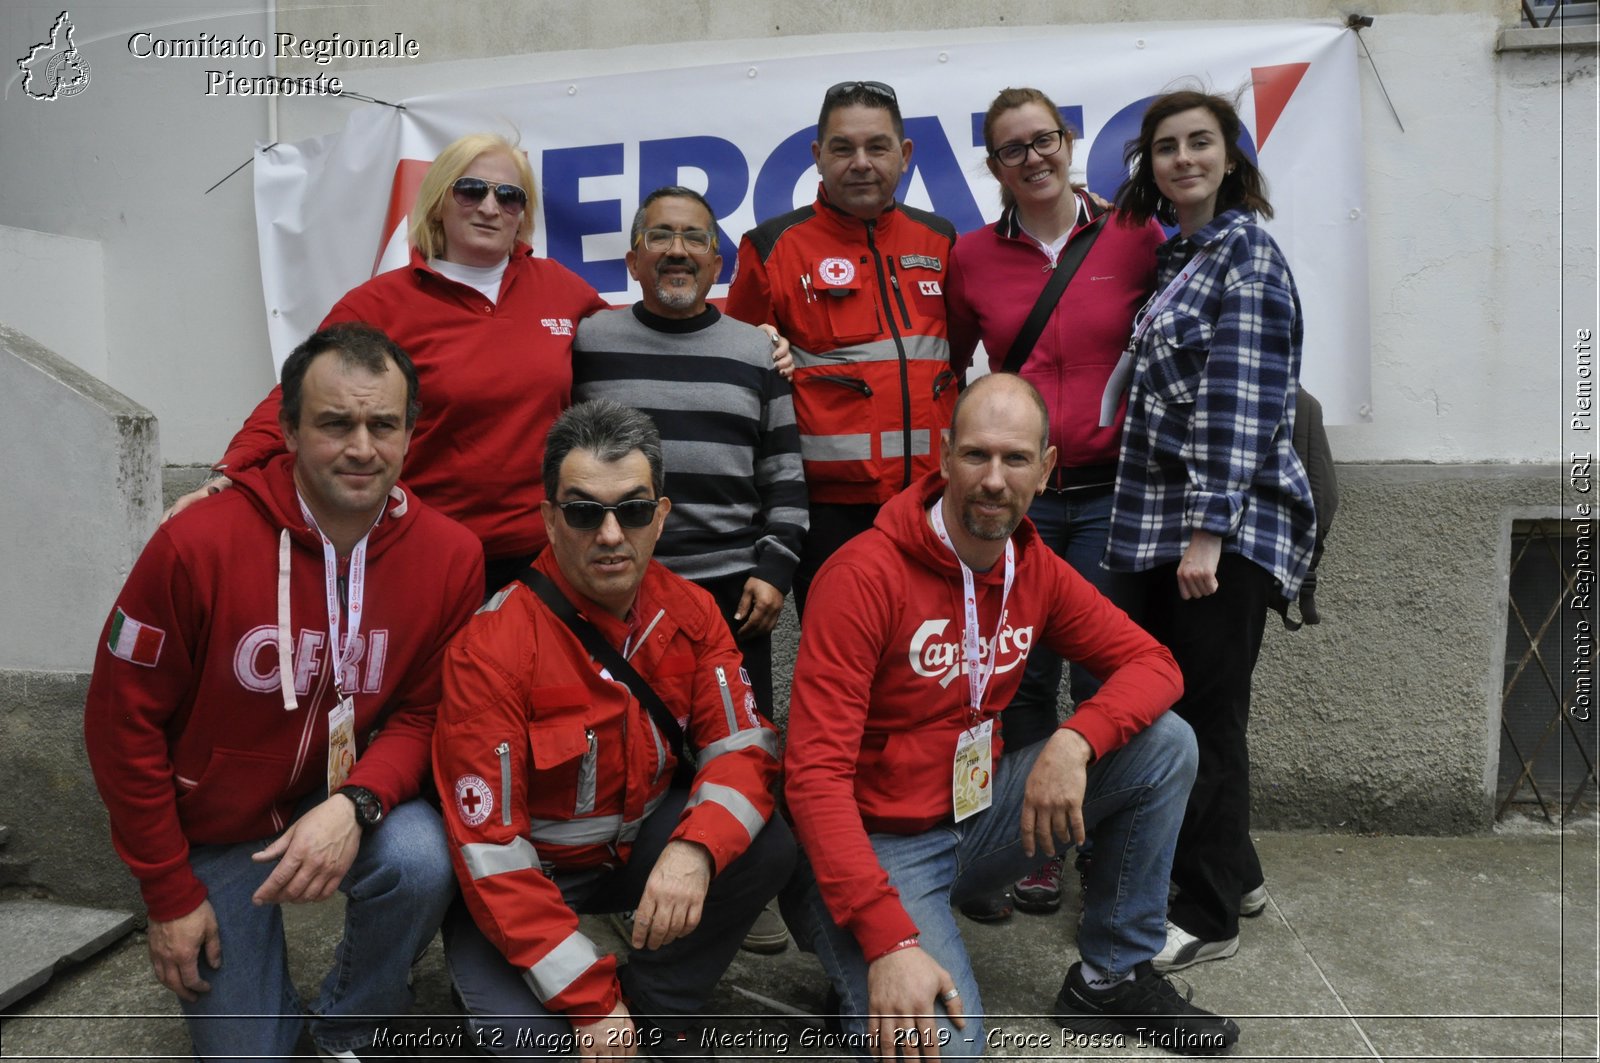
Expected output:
(695, 241)
(877, 88)
(1044, 144)
(584, 515)
(469, 192)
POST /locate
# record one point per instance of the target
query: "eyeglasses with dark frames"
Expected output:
(1043, 145)
(695, 241)
(584, 515)
(470, 191)
(877, 88)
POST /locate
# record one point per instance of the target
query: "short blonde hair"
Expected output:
(427, 226)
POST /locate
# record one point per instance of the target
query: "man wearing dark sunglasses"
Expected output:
(559, 786)
(855, 282)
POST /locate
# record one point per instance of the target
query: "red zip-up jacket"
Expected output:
(493, 376)
(545, 763)
(862, 304)
(186, 727)
(996, 276)
(880, 693)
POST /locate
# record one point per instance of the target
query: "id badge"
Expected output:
(971, 781)
(341, 743)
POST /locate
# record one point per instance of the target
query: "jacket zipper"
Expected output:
(942, 381)
(504, 751)
(899, 296)
(586, 780)
(900, 348)
(847, 382)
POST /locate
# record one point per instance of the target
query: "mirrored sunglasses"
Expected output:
(469, 192)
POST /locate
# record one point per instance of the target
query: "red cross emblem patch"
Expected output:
(474, 799)
(836, 272)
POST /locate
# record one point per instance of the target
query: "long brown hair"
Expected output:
(1243, 187)
(1010, 99)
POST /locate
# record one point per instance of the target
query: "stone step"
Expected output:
(38, 938)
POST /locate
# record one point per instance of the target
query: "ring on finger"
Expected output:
(949, 996)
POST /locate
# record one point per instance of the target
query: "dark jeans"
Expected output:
(832, 525)
(1075, 525)
(669, 984)
(1215, 640)
(757, 650)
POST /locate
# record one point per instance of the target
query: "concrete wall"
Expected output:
(77, 513)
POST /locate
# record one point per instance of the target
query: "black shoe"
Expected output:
(995, 908)
(1149, 1007)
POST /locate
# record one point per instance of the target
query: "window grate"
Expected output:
(1547, 766)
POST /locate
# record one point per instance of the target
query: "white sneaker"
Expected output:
(1254, 903)
(1183, 949)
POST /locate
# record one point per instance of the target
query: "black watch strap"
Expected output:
(369, 810)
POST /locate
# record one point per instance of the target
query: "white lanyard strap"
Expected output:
(1158, 302)
(339, 653)
(979, 671)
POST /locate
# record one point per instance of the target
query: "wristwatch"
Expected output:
(369, 810)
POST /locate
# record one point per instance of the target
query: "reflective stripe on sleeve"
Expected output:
(735, 803)
(753, 736)
(561, 966)
(917, 347)
(483, 859)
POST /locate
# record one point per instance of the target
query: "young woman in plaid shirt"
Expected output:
(1212, 507)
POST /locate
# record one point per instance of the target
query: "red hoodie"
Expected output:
(186, 727)
(880, 697)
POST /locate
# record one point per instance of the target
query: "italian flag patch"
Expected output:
(134, 642)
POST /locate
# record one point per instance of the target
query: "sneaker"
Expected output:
(1148, 1005)
(995, 908)
(1040, 892)
(1254, 902)
(768, 935)
(1183, 949)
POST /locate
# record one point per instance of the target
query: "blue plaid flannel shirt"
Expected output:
(1208, 440)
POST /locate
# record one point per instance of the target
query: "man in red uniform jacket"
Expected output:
(855, 282)
(262, 707)
(896, 784)
(559, 784)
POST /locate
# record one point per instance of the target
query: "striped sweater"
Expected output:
(728, 436)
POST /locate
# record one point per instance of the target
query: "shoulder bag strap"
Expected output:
(1072, 257)
(607, 655)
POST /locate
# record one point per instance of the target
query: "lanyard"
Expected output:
(1158, 302)
(978, 674)
(341, 653)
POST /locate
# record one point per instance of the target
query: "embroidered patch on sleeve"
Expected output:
(474, 800)
(134, 642)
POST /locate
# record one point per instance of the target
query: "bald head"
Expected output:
(1001, 399)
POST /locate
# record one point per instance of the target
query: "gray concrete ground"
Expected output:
(1387, 948)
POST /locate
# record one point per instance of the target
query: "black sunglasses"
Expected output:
(877, 88)
(587, 516)
(469, 192)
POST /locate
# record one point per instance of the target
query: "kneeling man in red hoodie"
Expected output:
(901, 798)
(261, 713)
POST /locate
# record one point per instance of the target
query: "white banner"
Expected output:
(331, 212)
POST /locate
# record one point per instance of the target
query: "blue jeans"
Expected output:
(1133, 806)
(397, 891)
(1075, 524)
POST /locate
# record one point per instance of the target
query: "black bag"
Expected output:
(1311, 444)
